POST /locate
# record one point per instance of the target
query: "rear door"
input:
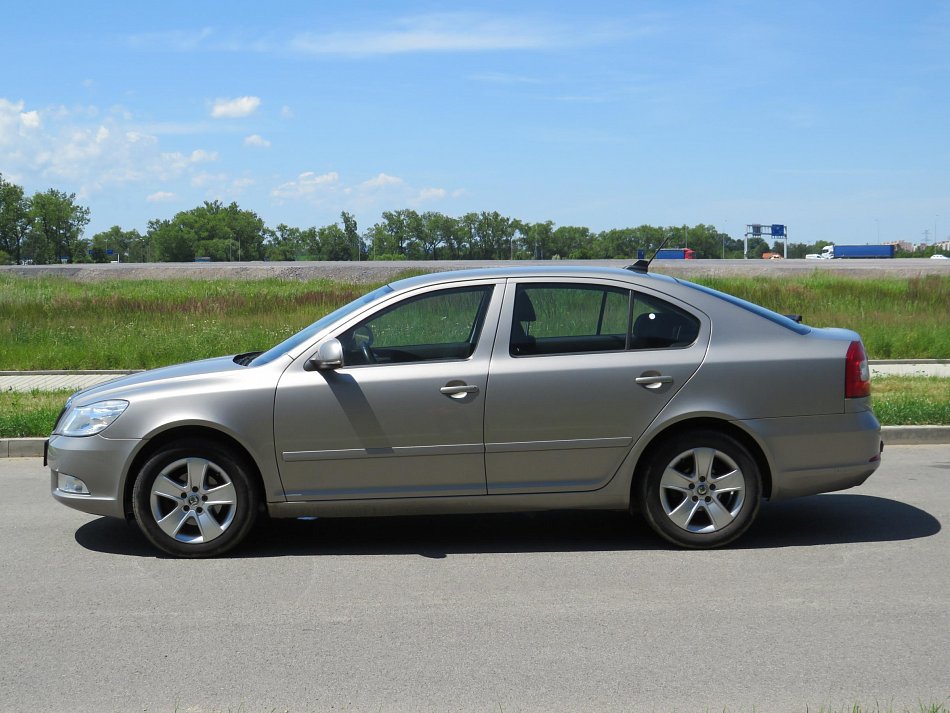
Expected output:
(579, 370)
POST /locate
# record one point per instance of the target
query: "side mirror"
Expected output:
(329, 356)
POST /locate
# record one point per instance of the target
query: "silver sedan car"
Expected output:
(484, 391)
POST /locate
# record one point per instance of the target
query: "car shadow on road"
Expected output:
(816, 520)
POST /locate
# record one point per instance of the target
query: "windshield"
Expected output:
(307, 333)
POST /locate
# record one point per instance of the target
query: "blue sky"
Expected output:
(830, 117)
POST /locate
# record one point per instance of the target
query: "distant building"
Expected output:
(901, 245)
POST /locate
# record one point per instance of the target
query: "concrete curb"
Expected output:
(892, 436)
(915, 435)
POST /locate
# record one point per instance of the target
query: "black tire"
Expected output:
(700, 489)
(195, 499)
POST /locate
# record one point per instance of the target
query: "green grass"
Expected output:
(910, 401)
(29, 414)
(57, 323)
(60, 324)
(898, 318)
(897, 401)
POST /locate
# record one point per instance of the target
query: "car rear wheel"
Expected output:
(701, 489)
(194, 499)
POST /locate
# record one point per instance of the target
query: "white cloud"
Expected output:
(445, 32)
(382, 180)
(161, 197)
(175, 162)
(201, 156)
(176, 40)
(30, 119)
(432, 32)
(308, 185)
(382, 191)
(503, 78)
(204, 179)
(256, 140)
(16, 123)
(432, 194)
(286, 112)
(75, 150)
(235, 108)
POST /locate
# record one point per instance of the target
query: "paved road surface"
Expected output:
(831, 600)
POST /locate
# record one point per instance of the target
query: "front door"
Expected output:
(404, 415)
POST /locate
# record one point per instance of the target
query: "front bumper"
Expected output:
(101, 463)
(819, 454)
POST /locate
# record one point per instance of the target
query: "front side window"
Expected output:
(436, 326)
(573, 319)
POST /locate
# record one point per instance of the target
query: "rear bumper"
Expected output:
(100, 463)
(818, 454)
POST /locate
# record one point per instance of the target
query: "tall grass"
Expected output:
(60, 324)
(898, 318)
(56, 323)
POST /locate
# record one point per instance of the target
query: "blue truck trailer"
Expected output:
(675, 254)
(857, 251)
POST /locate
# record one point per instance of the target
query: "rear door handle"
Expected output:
(458, 391)
(654, 381)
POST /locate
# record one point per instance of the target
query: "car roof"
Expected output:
(553, 271)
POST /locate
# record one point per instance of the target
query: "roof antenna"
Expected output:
(643, 266)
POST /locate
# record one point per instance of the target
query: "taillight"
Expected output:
(857, 374)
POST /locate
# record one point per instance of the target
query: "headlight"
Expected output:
(90, 420)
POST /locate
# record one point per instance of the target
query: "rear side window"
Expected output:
(573, 319)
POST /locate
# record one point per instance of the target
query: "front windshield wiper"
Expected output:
(246, 358)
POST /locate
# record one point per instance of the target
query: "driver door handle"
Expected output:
(459, 390)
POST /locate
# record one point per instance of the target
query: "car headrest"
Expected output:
(524, 310)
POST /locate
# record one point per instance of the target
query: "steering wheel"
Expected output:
(363, 338)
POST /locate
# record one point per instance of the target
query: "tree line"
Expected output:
(49, 226)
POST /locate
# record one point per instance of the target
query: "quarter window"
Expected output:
(656, 324)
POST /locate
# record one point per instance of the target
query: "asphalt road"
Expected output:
(830, 600)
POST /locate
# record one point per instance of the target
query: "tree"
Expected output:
(573, 242)
(352, 233)
(120, 242)
(757, 246)
(210, 230)
(334, 245)
(492, 235)
(56, 228)
(14, 220)
(447, 239)
(538, 238)
(283, 243)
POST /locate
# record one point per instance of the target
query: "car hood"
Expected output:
(163, 376)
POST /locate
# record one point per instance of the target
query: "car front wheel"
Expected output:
(701, 489)
(194, 499)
